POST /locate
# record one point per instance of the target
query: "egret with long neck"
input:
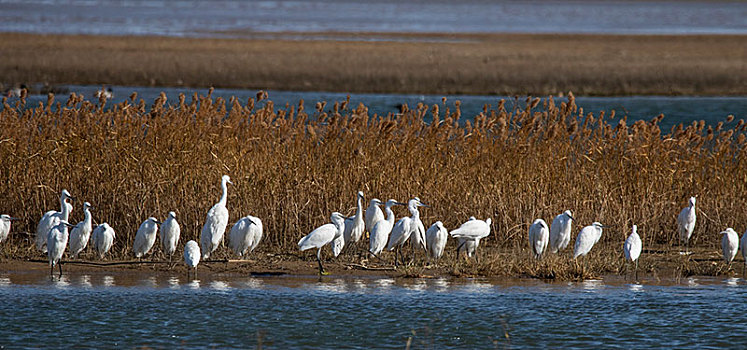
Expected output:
(381, 230)
(81, 232)
(216, 222)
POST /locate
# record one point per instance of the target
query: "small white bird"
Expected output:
(191, 256)
(215, 222)
(470, 233)
(436, 238)
(245, 235)
(729, 244)
(382, 228)
(56, 244)
(586, 239)
(103, 239)
(632, 248)
(80, 234)
(170, 232)
(322, 236)
(539, 235)
(5, 221)
(406, 227)
(373, 214)
(560, 231)
(686, 223)
(104, 92)
(145, 237)
(51, 219)
(354, 228)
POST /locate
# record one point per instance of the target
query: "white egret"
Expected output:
(245, 235)
(586, 239)
(470, 233)
(373, 214)
(103, 239)
(382, 228)
(406, 227)
(56, 244)
(436, 238)
(560, 231)
(743, 247)
(322, 236)
(632, 248)
(729, 244)
(51, 219)
(5, 221)
(80, 234)
(354, 228)
(539, 235)
(686, 223)
(192, 256)
(170, 232)
(216, 222)
(145, 237)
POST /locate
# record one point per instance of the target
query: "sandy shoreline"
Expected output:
(410, 63)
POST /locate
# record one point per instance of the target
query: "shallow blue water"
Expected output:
(104, 310)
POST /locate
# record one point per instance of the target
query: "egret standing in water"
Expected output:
(382, 229)
(560, 231)
(145, 237)
(245, 235)
(322, 236)
(216, 222)
(632, 248)
(56, 244)
(170, 232)
(81, 232)
(51, 219)
(406, 227)
(354, 228)
(729, 244)
(435, 239)
(471, 232)
(539, 235)
(686, 224)
(373, 214)
(191, 257)
(103, 239)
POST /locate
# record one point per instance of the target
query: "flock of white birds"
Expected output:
(342, 234)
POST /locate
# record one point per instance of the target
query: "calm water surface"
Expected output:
(126, 311)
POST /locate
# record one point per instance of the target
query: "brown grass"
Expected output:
(474, 64)
(292, 167)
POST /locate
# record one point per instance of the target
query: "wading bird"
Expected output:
(80, 234)
(560, 231)
(539, 235)
(170, 232)
(632, 248)
(56, 244)
(216, 222)
(354, 228)
(586, 239)
(729, 244)
(145, 237)
(192, 257)
(406, 227)
(103, 239)
(470, 233)
(382, 228)
(322, 236)
(686, 224)
(5, 221)
(373, 214)
(245, 235)
(51, 219)
(435, 239)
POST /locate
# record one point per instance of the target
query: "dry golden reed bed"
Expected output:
(294, 165)
(450, 64)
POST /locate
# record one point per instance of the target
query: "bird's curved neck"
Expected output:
(87, 217)
(65, 210)
(224, 196)
(414, 211)
(359, 212)
(389, 215)
(62, 203)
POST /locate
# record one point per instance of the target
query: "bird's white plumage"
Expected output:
(560, 231)
(5, 221)
(382, 228)
(324, 234)
(539, 236)
(418, 235)
(245, 235)
(80, 234)
(145, 237)
(743, 246)
(470, 233)
(191, 254)
(354, 228)
(215, 222)
(686, 221)
(586, 239)
(373, 214)
(400, 233)
(436, 238)
(170, 232)
(103, 239)
(729, 244)
(57, 242)
(51, 219)
(633, 245)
